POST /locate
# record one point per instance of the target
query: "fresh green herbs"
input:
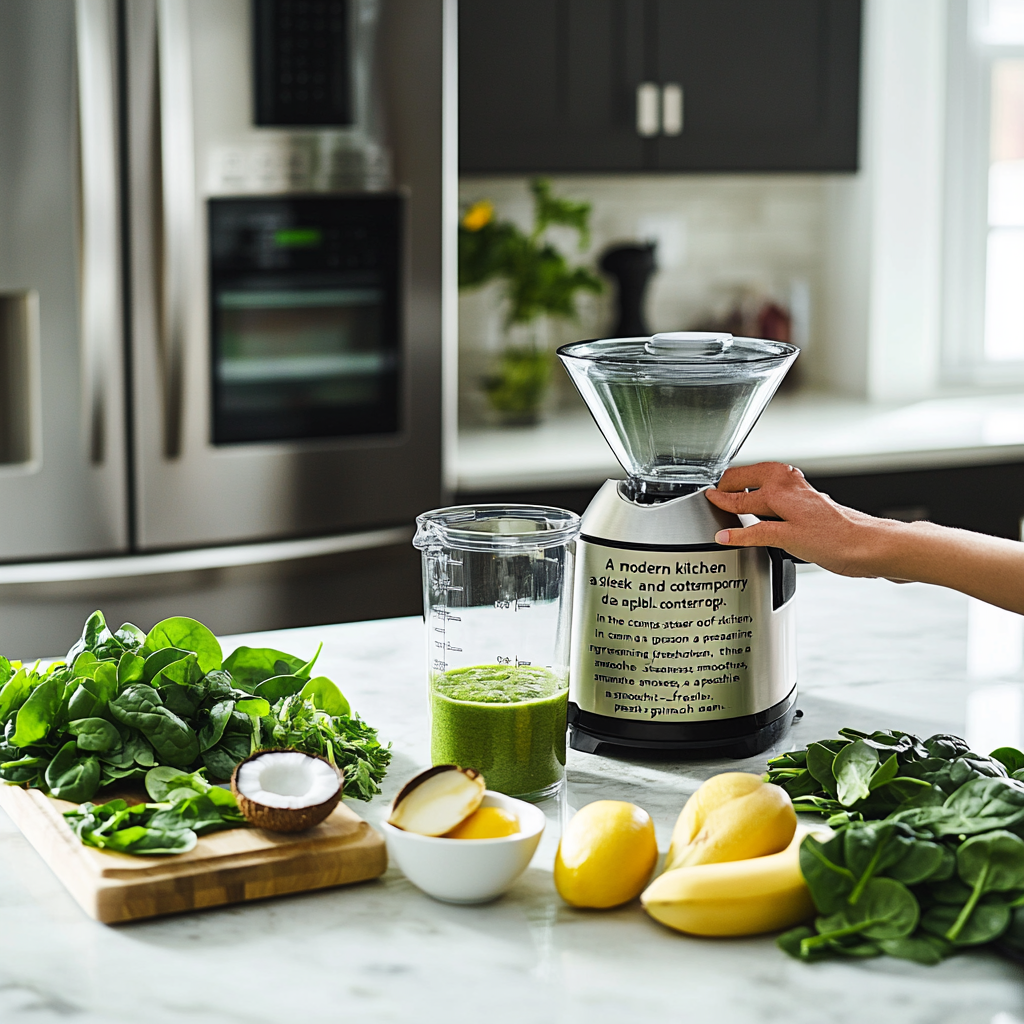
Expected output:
(186, 807)
(125, 702)
(927, 857)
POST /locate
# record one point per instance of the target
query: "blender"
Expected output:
(679, 644)
(497, 599)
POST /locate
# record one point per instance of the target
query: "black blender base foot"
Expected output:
(737, 738)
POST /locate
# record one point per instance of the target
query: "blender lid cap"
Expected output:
(683, 348)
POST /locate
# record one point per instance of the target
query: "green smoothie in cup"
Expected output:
(507, 722)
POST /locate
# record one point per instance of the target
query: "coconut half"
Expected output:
(286, 790)
(437, 800)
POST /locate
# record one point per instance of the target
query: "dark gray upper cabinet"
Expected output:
(730, 85)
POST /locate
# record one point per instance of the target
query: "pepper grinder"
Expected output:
(631, 266)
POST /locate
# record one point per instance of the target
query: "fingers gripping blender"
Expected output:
(678, 643)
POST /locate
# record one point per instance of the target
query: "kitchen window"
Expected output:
(985, 193)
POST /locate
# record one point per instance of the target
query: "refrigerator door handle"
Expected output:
(100, 243)
(177, 208)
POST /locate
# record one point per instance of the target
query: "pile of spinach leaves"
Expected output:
(928, 854)
(186, 806)
(125, 702)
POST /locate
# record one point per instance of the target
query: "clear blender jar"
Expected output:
(676, 408)
(497, 600)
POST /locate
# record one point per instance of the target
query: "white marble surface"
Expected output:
(820, 433)
(872, 654)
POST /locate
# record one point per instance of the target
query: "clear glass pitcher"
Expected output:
(497, 597)
(675, 408)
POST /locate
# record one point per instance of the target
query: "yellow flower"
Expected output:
(478, 215)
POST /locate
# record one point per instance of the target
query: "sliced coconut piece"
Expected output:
(286, 790)
(437, 800)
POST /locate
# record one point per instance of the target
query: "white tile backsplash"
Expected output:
(720, 237)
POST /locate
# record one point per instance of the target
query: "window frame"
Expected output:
(970, 59)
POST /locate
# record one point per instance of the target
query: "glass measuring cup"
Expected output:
(497, 596)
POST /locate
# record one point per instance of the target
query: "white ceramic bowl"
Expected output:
(468, 870)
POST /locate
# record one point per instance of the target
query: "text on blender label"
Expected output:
(662, 665)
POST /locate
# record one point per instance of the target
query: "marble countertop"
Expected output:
(820, 433)
(871, 654)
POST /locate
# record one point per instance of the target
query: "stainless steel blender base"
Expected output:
(733, 737)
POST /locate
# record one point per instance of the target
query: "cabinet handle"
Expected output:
(648, 116)
(672, 109)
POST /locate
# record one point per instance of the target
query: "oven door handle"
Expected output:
(176, 209)
(100, 260)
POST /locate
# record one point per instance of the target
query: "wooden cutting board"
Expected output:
(225, 867)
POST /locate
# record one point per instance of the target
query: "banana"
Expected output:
(740, 897)
(717, 790)
(736, 818)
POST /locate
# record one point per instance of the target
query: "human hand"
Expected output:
(813, 527)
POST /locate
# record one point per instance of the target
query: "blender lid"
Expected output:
(687, 350)
(676, 407)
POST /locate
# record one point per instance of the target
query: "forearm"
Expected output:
(988, 568)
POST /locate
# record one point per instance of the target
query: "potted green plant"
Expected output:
(539, 283)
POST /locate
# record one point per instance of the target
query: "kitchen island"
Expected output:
(872, 654)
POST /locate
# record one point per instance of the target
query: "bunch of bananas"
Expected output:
(734, 864)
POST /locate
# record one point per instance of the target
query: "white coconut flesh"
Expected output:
(287, 779)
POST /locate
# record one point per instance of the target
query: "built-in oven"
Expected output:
(305, 315)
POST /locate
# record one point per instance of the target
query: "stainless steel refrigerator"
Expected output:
(222, 242)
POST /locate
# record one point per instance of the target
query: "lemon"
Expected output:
(485, 823)
(606, 855)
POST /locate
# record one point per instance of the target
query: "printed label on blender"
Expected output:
(667, 637)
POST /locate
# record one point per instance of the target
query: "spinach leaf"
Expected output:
(819, 763)
(235, 745)
(130, 636)
(254, 707)
(993, 862)
(885, 773)
(185, 672)
(276, 687)
(924, 861)
(853, 767)
(213, 729)
(986, 921)
(1011, 758)
(946, 746)
(303, 672)
(188, 635)
(797, 782)
(250, 666)
(95, 734)
(37, 714)
(922, 949)
(139, 750)
(71, 777)
(869, 848)
(825, 872)
(140, 707)
(886, 909)
(6, 670)
(14, 693)
(130, 668)
(325, 696)
(987, 803)
(94, 633)
(790, 759)
(156, 662)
